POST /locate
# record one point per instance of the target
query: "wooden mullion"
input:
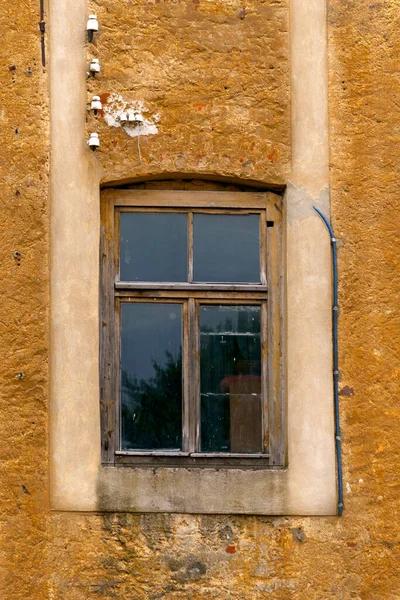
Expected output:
(233, 299)
(263, 248)
(213, 296)
(174, 453)
(193, 369)
(189, 287)
(186, 416)
(117, 382)
(117, 224)
(182, 211)
(184, 199)
(275, 388)
(169, 299)
(190, 247)
(274, 208)
(117, 337)
(264, 375)
(108, 372)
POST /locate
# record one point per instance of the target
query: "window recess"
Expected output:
(191, 339)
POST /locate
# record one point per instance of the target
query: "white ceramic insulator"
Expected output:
(94, 141)
(94, 66)
(92, 24)
(96, 103)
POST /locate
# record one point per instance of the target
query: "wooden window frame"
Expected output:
(267, 294)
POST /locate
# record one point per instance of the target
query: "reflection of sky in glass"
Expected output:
(148, 331)
(240, 319)
(153, 247)
(226, 248)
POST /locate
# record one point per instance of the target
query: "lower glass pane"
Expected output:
(215, 422)
(230, 379)
(151, 376)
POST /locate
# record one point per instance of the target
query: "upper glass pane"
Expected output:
(151, 376)
(233, 319)
(226, 248)
(153, 247)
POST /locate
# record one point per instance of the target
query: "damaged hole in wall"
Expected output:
(132, 115)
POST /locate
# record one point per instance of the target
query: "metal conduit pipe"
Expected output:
(335, 315)
(42, 27)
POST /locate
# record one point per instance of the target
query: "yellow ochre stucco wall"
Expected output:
(46, 555)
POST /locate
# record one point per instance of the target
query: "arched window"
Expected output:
(190, 326)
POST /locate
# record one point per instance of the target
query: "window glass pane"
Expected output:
(153, 247)
(226, 248)
(151, 376)
(230, 379)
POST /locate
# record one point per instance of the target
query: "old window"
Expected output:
(191, 336)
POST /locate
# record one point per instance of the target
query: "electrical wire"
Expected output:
(335, 315)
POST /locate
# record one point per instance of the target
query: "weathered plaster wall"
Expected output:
(211, 80)
(47, 556)
(24, 285)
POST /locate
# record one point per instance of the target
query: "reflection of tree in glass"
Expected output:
(152, 408)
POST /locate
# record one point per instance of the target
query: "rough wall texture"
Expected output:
(211, 80)
(24, 277)
(46, 556)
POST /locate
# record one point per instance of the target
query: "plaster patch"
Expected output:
(117, 108)
(300, 202)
